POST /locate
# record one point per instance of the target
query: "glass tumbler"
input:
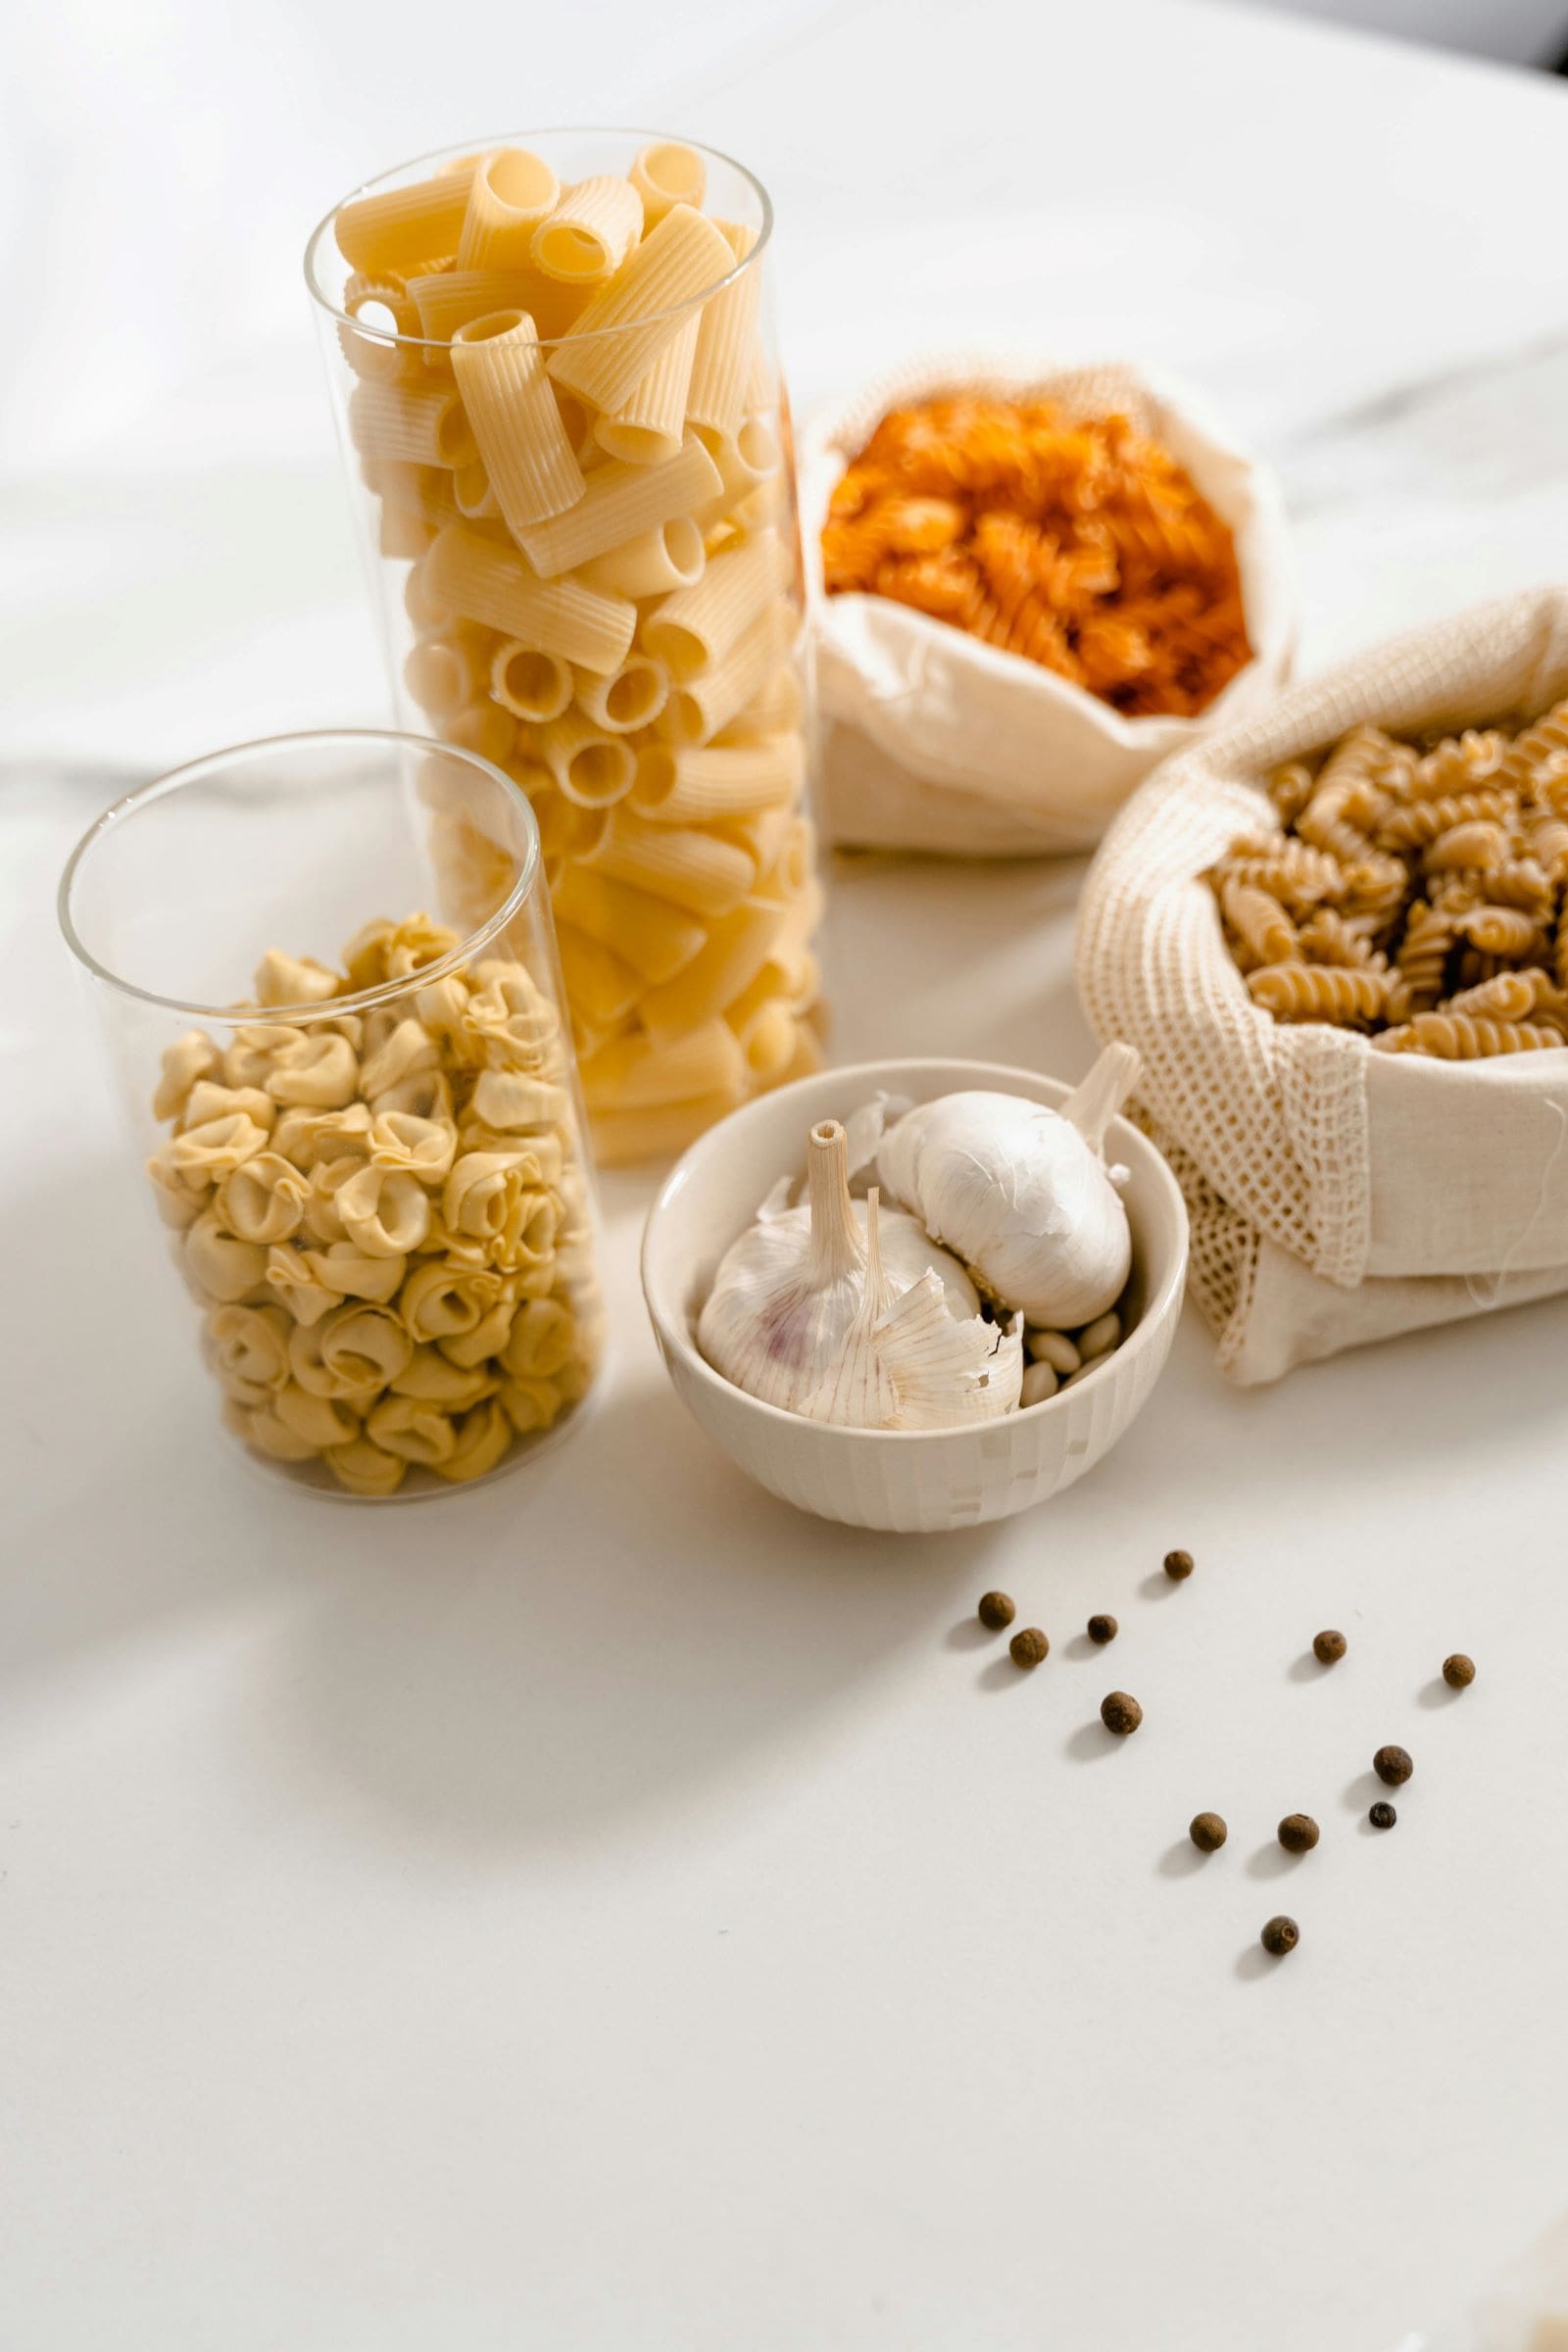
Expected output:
(343, 1046)
(557, 385)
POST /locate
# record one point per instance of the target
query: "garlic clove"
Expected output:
(788, 1291)
(948, 1373)
(1020, 1192)
(911, 1362)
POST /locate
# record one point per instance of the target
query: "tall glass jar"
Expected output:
(555, 379)
(340, 1035)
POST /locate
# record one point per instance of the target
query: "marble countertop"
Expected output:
(612, 1911)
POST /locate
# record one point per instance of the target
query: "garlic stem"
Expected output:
(1092, 1107)
(837, 1250)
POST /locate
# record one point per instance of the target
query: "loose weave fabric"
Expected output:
(936, 741)
(1337, 1195)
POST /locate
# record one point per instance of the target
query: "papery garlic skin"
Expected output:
(1021, 1193)
(911, 1362)
(787, 1294)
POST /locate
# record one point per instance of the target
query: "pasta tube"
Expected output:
(621, 1138)
(691, 869)
(620, 502)
(775, 710)
(590, 769)
(667, 173)
(644, 303)
(634, 1074)
(737, 947)
(726, 346)
(652, 564)
(696, 712)
(589, 231)
(534, 686)
(425, 491)
(443, 673)
(402, 226)
(423, 428)
(633, 697)
(699, 786)
(646, 428)
(511, 193)
(657, 940)
(514, 421)
(472, 574)
(695, 628)
(602, 987)
(483, 728)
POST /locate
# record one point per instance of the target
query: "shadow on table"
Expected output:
(571, 1645)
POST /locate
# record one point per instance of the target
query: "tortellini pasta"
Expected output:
(386, 1219)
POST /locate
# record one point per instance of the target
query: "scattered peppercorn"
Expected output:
(1178, 1566)
(1382, 1816)
(1102, 1628)
(1458, 1672)
(1298, 1832)
(1120, 1713)
(1028, 1647)
(1207, 1832)
(1280, 1935)
(1328, 1648)
(996, 1609)
(1392, 1766)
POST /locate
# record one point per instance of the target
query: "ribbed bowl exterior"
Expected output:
(901, 1482)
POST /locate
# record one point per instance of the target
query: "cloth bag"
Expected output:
(935, 741)
(1337, 1195)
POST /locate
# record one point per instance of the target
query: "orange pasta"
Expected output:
(1079, 544)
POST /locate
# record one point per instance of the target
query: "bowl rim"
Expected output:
(1166, 1294)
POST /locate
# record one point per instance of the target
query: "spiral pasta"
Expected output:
(1417, 891)
(1077, 543)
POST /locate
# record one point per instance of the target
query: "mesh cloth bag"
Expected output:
(1337, 1195)
(935, 741)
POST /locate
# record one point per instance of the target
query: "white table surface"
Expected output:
(610, 1912)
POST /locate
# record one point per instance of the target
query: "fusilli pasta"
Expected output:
(1079, 544)
(1418, 891)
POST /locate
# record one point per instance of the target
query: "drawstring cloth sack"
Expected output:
(1337, 1195)
(933, 740)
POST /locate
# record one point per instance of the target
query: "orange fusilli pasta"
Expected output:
(1078, 544)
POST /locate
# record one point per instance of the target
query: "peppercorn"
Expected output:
(1392, 1766)
(1382, 1816)
(1207, 1832)
(1102, 1628)
(1280, 1935)
(1298, 1832)
(1178, 1566)
(995, 1610)
(1120, 1713)
(1328, 1648)
(1458, 1672)
(1028, 1647)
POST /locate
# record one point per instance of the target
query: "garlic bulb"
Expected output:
(1022, 1193)
(788, 1294)
(909, 1364)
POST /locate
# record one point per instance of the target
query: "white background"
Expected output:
(608, 1911)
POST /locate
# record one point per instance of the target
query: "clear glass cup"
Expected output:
(326, 969)
(579, 525)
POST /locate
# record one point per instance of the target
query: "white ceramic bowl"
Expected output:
(914, 1480)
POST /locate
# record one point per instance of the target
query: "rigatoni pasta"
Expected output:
(566, 409)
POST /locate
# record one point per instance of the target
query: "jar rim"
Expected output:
(321, 237)
(131, 805)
